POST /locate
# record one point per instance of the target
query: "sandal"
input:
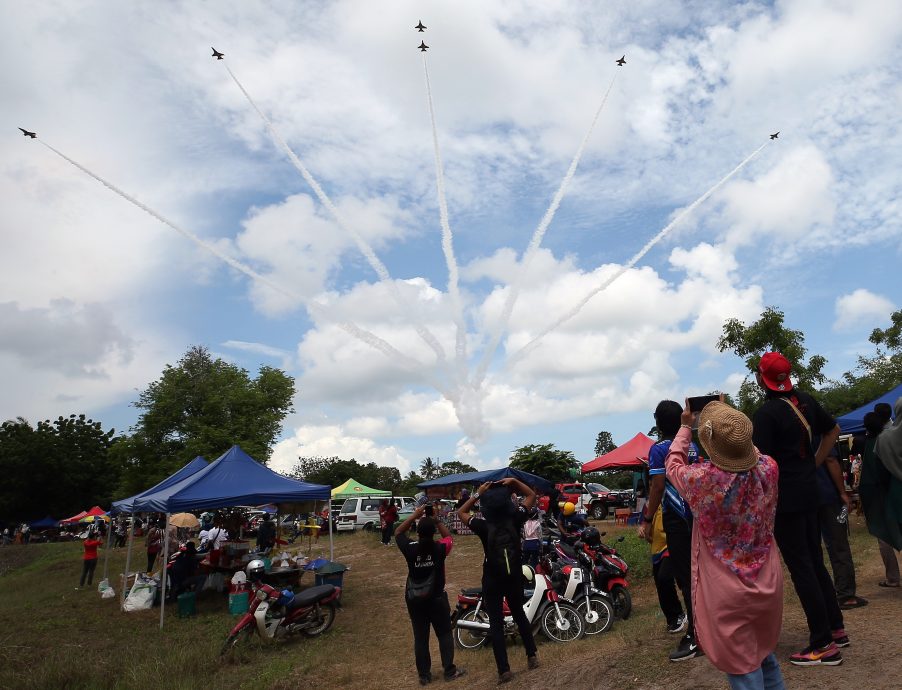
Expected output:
(884, 583)
(852, 603)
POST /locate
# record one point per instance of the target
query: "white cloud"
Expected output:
(332, 440)
(861, 307)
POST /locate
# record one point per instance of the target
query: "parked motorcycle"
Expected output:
(572, 579)
(558, 618)
(274, 614)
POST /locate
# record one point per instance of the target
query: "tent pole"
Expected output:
(163, 571)
(128, 562)
(106, 557)
(329, 518)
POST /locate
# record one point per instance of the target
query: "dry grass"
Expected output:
(69, 639)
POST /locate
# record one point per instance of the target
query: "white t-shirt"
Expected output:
(216, 535)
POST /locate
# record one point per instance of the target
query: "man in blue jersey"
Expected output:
(677, 518)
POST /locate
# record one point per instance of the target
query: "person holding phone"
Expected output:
(676, 517)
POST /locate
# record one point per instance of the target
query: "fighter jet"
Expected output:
(774, 135)
(217, 54)
(621, 61)
(26, 133)
(420, 27)
(423, 47)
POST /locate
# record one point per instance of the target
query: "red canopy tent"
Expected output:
(632, 455)
(75, 518)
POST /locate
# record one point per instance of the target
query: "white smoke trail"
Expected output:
(534, 244)
(362, 244)
(448, 246)
(365, 336)
(530, 346)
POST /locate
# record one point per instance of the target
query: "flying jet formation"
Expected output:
(621, 61)
(420, 27)
(423, 47)
(217, 54)
(26, 133)
(774, 135)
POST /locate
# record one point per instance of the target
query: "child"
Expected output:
(89, 560)
(532, 537)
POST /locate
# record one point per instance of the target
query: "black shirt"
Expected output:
(779, 433)
(419, 567)
(480, 527)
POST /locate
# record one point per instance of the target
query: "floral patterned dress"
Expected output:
(737, 580)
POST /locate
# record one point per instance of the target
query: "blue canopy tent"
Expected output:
(233, 479)
(853, 422)
(45, 523)
(126, 504)
(477, 478)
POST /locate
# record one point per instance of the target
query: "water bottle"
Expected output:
(843, 515)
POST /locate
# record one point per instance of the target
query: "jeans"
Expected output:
(836, 539)
(435, 613)
(494, 591)
(87, 571)
(387, 531)
(765, 677)
(679, 545)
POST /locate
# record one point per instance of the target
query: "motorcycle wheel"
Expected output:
(569, 628)
(232, 641)
(471, 639)
(623, 602)
(602, 609)
(328, 618)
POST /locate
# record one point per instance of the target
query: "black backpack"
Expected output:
(502, 548)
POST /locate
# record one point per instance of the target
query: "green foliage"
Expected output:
(203, 406)
(58, 467)
(545, 461)
(769, 334)
(604, 443)
(334, 471)
(455, 467)
(621, 479)
(430, 469)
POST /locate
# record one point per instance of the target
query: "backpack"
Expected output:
(420, 591)
(502, 548)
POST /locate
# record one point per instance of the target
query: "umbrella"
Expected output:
(91, 518)
(184, 520)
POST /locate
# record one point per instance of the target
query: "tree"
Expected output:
(545, 461)
(334, 471)
(203, 406)
(766, 334)
(604, 443)
(455, 467)
(58, 467)
(430, 469)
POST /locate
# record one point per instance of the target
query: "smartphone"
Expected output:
(429, 510)
(697, 403)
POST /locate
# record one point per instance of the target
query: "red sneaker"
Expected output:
(828, 655)
(840, 638)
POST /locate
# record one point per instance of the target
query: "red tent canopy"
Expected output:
(631, 455)
(96, 511)
(75, 518)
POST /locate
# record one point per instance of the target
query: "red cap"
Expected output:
(774, 369)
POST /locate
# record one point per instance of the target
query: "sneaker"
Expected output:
(828, 655)
(505, 677)
(840, 638)
(679, 625)
(532, 661)
(687, 649)
(458, 672)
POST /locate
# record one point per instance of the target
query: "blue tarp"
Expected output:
(477, 478)
(126, 504)
(46, 522)
(853, 422)
(233, 479)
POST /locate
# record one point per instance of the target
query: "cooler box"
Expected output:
(187, 604)
(238, 603)
(331, 574)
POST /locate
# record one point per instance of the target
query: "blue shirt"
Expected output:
(672, 501)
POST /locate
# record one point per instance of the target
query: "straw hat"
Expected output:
(726, 435)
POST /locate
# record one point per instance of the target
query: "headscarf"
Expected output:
(889, 444)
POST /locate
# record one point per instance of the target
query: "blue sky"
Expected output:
(97, 296)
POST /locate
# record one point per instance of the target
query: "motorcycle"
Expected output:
(558, 618)
(573, 580)
(274, 614)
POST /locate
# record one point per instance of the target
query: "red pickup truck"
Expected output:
(595, 499)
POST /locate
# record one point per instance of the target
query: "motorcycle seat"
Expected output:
(310, 596)
(471, 591)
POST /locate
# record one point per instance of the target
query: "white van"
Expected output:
(362, 512)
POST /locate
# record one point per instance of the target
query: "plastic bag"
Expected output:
(106, 592)
(215, 581)
(141, 595)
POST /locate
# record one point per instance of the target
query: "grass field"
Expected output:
(56, 637)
